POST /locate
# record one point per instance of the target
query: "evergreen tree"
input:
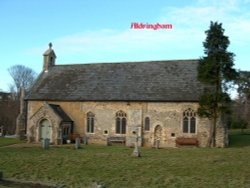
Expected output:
(216, 70)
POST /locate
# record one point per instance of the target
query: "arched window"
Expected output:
(90, 122)
(189, 121)
(147, 124)
(121, 121)
(192, 125)
(185, 124)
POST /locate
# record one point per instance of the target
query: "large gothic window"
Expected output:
(189, 121)
(90, 122)
(121, 121)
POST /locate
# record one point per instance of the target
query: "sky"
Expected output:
(95, 31)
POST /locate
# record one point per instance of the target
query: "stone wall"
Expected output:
(166, 120)
(36, 117)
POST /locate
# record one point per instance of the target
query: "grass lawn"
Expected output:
(9, 141)
(114, 167)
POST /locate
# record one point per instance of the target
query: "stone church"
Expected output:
(156, 100)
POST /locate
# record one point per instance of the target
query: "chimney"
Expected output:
(49, 58)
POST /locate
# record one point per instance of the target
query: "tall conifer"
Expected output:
(216, 70)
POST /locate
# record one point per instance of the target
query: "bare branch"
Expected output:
(23, 77)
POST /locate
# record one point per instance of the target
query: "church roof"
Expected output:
(59, 111)
(132, 81)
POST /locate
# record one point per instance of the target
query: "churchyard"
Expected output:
(113, 166)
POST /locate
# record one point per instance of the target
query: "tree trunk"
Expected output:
(211, 142)
(214, 132)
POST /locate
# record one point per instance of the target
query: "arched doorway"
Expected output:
(157, 135)
(45, 129)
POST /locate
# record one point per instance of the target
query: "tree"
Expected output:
(242, 105)
(23, 77)
(243, 83)
(216, 70)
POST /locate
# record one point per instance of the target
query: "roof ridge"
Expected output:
(129, 62)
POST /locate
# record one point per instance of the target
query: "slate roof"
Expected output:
(59, 111)
(131, 81)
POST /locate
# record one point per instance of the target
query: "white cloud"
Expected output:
(235, 20)
(187, 35)
(132, 42)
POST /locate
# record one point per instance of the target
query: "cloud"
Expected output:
(183, 41)
(167, 44)
(231, 13)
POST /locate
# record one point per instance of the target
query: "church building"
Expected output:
(154, 100)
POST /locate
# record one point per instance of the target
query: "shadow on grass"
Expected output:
(239, 138)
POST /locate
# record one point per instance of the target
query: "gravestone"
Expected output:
(136, 152)
(109, 143)
(77, 143)
(1, 175)
(85, 140)
(157, 144)
(45, 143)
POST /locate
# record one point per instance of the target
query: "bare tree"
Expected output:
(13, 91)
(23, 76)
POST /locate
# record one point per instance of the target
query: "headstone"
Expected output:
(59, 141)
(157, 144)
(1, 175)
(59, 137)
(85, 140)
(77, 143)
(108, 142)
(45, 143)
(136, 152)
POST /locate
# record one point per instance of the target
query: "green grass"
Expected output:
(115, 167)
(9, 141)
(239, 138)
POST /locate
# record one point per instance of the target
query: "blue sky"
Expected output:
(90, 31)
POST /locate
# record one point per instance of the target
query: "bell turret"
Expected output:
(49, 58)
